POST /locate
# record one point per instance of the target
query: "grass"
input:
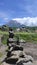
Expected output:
(1, 55)
(29, 37)
(3, 32)
(4, 39)
(5, 35)
(0, 63)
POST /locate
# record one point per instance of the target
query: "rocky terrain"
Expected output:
(29, 49)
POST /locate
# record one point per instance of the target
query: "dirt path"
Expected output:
(30, 49)
(2, 50)
(2, 47)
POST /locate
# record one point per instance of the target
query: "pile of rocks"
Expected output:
(15, 54)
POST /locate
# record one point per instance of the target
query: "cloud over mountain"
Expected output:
(29, 21)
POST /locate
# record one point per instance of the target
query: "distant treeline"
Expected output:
(32, 29)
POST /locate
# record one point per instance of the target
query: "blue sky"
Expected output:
(13, 9)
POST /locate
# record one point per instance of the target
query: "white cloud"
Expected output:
(29, 21)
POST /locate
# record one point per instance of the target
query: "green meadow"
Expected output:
(28, 37)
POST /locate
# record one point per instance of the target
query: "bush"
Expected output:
(4, 39)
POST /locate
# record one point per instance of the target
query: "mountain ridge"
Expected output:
(13, 23)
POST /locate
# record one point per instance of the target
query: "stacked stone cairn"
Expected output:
(15, 54)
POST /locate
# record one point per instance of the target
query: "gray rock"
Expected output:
(15, 53)
(11, 33)
(22, 61)
(22, 41)
(28, 57)
(18, 53)
(16, 47)
(10, 40)
(25, 61)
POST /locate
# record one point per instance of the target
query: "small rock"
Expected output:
(28, 57)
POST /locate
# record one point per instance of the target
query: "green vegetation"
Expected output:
(4, 28)
(0, 57)
(1, 54)
(29, 37)
(4, 36)
(4, 39)
(0, 63)
(3, 32)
